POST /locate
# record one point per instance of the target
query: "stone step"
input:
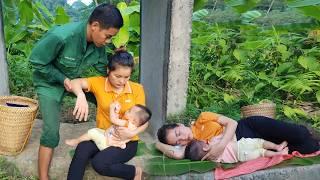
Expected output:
(27, 160)
(288, 173)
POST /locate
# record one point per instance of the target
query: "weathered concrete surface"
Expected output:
(27, 160)
(178, 68)
(154, 55)
(288, 173)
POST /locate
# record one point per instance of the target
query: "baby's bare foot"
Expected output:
(282, 146)
(285, 151)
(72, 142)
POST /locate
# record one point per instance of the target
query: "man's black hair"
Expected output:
(107, 15)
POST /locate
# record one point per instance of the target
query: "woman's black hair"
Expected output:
(163, 132)
(107, 15)
(120, 58)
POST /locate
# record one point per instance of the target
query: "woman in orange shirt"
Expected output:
(115, 87)
(210, 124)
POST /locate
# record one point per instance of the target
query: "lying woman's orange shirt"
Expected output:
(206, 126)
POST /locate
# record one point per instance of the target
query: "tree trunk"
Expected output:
(4, 80)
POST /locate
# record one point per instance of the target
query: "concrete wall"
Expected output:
(178, 69)
(4, 79)
(154, 55)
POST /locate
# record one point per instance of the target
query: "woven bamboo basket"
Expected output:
(16, 123)
(263, 109)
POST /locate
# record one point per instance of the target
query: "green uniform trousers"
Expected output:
(50, 110)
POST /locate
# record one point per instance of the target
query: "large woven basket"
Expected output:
(16, 123)
(263, 109)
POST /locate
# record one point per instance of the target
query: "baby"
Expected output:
(243, 150)
(133, 118)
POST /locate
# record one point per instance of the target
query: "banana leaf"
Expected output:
(164, 166)
(160, 165)
(147, 149)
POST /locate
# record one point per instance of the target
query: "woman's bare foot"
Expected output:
(72, 142)
(281, 146)
(138, 175)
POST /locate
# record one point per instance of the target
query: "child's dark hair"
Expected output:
(162, 132)
(144, 114)
(107, 15)
(194, 151)
(122, 58)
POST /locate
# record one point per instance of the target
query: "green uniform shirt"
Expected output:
(64, 52)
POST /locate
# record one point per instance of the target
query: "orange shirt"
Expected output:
(206, 126)
(132, 94)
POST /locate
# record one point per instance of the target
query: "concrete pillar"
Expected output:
(4, 80)
(164, 56)
(154, 55)
(179, 55)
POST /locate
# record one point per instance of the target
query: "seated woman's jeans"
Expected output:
(298, 137)
(109, 162)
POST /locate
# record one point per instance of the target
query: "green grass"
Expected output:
(8, 171)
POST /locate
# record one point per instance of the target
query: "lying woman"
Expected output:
(209, 125)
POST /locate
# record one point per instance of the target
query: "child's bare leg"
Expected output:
(284, 151)
(273, 146)
(138, 175)
(76, 141)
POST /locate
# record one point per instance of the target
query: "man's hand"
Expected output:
(123, 133)
(213, 151)
(81, 108)
(67, 85)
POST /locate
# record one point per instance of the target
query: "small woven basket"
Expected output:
(264, 109)
(16, 123)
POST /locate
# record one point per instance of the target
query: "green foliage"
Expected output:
(61, 16)
(241, 5)
(26, 21)
(129, 34)
(199, 4)
(299, 3)
(246, 61)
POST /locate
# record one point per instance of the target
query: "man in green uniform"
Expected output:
(62, 54)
